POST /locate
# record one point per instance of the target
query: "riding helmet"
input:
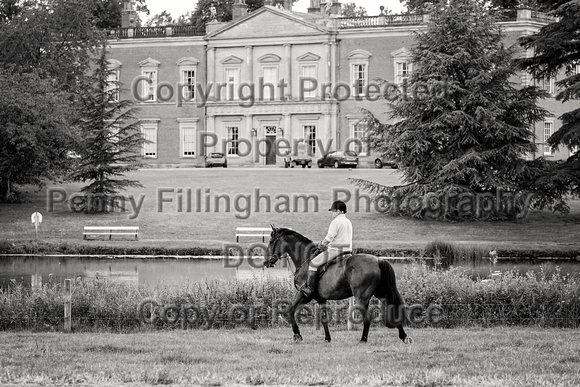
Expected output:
(338, 205)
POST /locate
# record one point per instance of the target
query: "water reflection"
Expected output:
(34, 271)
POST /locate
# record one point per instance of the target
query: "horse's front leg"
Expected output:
(300, 300)
(324, 317)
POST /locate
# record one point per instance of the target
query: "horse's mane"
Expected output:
(287, 231)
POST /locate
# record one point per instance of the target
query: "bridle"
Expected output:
(274, 257)
(271, 261)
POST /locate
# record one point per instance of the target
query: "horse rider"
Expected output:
(338, 240)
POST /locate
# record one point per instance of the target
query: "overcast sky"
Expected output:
(179, 7)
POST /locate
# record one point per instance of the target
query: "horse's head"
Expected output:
(274, 250)
(286, 243)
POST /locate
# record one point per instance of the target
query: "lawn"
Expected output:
(458, 357)
(182, 208)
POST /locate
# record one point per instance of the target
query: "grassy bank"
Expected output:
(545, 299)
(458, 357)
(222, 199)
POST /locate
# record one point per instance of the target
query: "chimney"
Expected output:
(239, 9)
(128, 15)
(288, 5)
(269, 2)
(314, 6)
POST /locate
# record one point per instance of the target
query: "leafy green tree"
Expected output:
(351, 10)
(34, 130)
(461, 127)
(44, 55)
(110, 140)
(557, 53)
(9, 9)
(55, 38)
(108, 12)
(161, 19)
(422, 5)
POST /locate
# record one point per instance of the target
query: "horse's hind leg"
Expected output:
(395, 317)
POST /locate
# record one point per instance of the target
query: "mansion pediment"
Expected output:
(268, 22)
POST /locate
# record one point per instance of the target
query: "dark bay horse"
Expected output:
(360, 275)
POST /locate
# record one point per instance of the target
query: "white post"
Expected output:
(67, 305)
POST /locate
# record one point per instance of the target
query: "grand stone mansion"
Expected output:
(256, 86)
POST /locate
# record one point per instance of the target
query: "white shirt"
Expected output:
(340, 234)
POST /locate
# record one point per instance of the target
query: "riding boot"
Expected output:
(310, 287)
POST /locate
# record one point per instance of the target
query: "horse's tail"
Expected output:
(395, 309)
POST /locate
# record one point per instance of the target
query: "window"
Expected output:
(359, 143)
(359, 70)
(308, 71)
(310, 136)
(233, 138)
(232, 80)
(188, 135)
(114, 137)
(402, 72)
(402, 66)
(149, 131)
(149, 84)
(188, 71)
(270, 77)
(546, 84)
(112, 86)
(188, 82)
(548, 127)
(359, 77)
(113, 76)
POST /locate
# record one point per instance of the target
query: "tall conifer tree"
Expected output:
(110, 140)
(461, 126)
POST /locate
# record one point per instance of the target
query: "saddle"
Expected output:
(338, 259)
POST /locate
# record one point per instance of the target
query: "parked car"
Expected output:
(339, 159)
(302, 156)
(381, 162)
(216, 159)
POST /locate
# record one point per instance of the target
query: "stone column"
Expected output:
(248, 136)
(333, 63)
(288, 71)
(328, 65)
(327, 136)
(211, 73)
(250, 64)
(288, 127)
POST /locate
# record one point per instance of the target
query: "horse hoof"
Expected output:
(327, 340)
(297, 338)
(408, 340)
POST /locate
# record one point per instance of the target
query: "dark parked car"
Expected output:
(339, 159)
(381, 162)
(216, 159)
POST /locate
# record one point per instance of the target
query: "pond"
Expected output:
(152, 272)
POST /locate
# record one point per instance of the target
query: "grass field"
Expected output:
(459, 357)
(253, 201)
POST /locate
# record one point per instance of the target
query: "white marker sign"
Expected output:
(36, 219)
